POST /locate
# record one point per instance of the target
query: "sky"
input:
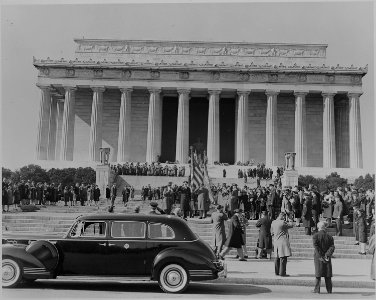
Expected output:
(48, 31)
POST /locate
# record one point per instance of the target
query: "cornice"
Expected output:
(43, 65)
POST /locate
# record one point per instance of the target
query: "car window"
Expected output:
(128, 229)
(161, 231)
(89, 229)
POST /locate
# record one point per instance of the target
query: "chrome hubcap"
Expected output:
(173, 278)
(8, 273)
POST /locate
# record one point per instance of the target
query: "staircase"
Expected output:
(58, 219)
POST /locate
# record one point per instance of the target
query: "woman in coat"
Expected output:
(282, 250)
(327, 205)
(97, 194)
(362, 230)
(234, 237)
(203, 201)
(307, 213)
(371, 248)
(66, 196)
(193, 202)
(265, 236)
(168, 199)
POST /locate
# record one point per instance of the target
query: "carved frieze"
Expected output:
(201, 48)
(44, 71)
(244, 76)
(302, 77)
(155, 74)
(356, 79)
(330, 78)
(216, 75)
(126, 74)
(70, 72)
(273, 77)
(184, 75)
(98, 73)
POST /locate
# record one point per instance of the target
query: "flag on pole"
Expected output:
(197, 174)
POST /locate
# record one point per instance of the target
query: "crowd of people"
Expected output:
(149, 169)
(260, 172)
(28, 192)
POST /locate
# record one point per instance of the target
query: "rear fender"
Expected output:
(185, 258)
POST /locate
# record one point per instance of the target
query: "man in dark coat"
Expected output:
(324, 248)
(218, 219)
(307, 213)
(113, 194)
(234, 238)
(265, 237)
(108, 194)
(185, 198)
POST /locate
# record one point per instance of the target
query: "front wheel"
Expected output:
(173, 279)
(11, 273)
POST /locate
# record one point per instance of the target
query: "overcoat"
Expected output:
(307, 213)
(338, 210)
(10, 196)
(279, 230)
(324, 247)
(362, 229)
(234, 238)
(327, 207)
(265, 237)
(219, 232)
(168, 200)
(203, 200)
(234, 201)
(185, 198)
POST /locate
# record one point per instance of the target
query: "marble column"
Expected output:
(124, 138)
(154, 136)
(59, 116)
(44, 122)
(67, 136)
(300, 129)
(242, 146)
(329, 141)
(355, 133)
(95, 141)
(52, 134)
(271, 129)
(213, 127)
(182, 133)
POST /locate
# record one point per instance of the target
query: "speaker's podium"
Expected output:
(290, 175)
(103, 171)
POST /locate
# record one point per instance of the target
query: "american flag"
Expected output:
(197, 174)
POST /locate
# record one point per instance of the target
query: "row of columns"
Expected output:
(49, 112)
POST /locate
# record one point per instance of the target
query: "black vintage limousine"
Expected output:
(152, 247)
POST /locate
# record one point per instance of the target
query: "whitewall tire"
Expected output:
(173, 278)
(11, 273)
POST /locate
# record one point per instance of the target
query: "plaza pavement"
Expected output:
(349, 273)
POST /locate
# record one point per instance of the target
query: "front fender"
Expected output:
(185, 258)
(19, 253)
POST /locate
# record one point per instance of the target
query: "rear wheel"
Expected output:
(11, 273)
(173, 279)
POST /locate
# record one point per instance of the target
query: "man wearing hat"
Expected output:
(324, 248)
(218, 219)
(307, 213)
(185, 197)
(155, 210)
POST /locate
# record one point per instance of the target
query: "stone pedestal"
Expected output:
(103, 174)
(290, 178)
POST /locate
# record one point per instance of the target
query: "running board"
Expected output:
(103, 278)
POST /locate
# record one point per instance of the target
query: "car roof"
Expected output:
(132, 217)
(181, 228)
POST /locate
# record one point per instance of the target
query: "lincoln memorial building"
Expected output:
(149, 100)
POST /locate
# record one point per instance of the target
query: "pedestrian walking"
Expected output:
(265, 236)
(324, 248)
(234, 238)
(282, 249)
(218, 219)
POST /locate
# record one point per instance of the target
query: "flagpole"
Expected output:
(191, 165)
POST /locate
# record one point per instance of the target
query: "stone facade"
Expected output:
(286, 100)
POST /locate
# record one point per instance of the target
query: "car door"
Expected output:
(85, 249)
(126, 248)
